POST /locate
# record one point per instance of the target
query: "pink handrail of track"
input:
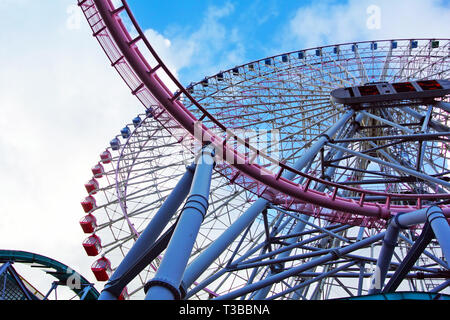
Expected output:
(104, 20)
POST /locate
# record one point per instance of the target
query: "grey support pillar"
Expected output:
(166, 283)
(136, 259)
(438, 223)
(441, 230)
(384, 259)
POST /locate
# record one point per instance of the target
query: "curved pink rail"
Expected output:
(142, 79)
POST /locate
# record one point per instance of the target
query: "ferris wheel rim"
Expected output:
(320, 47)
(121, 197)
(185, 119)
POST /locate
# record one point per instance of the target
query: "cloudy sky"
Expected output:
(61, 102)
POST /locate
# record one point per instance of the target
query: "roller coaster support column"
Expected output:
(384, 259)
(139, 255)
(216, 248)
(441, 230)
(410, 259)
(7, 266)
(4, 267)
(166, 283)
(438, 223)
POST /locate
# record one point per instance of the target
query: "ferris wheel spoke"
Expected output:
(418, 74)
(140, 144)
(302, 163)
(214, 214)
(349, 74)
(126, 169)
(299, 133)
(363, 76)
(438, 74)
(286, 255)
(117, 243)
(146, 173)
(249, 100)
(283, 116)
(139, 211)
(394, 166)
(392, 159)
(264, 112)
(219, 271)
(401, 73)
(332, 76)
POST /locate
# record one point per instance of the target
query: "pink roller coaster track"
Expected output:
(144, 82)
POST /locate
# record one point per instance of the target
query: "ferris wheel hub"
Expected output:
(376, 94)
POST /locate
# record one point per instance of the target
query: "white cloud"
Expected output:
(60, 104)
(214, 45)
(327, 22)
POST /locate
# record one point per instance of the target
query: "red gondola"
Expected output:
(88, 223)
(91, 186)
(106, 157)
(89, 204)
(98, 170)
(101, 269)
(92, 245)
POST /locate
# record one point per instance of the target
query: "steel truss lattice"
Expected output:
(299, 209)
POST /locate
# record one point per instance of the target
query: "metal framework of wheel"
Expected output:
(315, 174)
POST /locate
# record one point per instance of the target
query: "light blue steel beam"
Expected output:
(433, 124)
(390, 123)
(315, 226)
(219, 273)
(315, 279)
(20, 283)
(53, 288)
(441, 287)
(299, 227)
(408, 219)
(275, 231)
(361, 277)
(423, 144)
(166, 283)
(401, 168)
(336, 253)
(289, 247)
(4, 267)
(237, 263)
(216, 248)
(425, 252)
(396, 162)
(130, 266)
(304, 219)
(443, 105)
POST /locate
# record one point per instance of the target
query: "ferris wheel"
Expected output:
(315, 174)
